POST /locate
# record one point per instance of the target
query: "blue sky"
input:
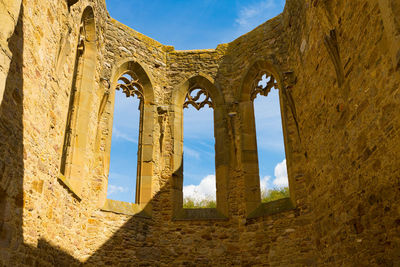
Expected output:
(124, 145)
(194, 25)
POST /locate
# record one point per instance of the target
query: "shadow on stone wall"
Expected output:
(136, 243)
(140, 241)
(152, 241)
(11, 148)
(214, 242)
(147, 242)
(12, 246)
(13, 249)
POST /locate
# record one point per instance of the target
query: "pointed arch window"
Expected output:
(124, 176)
(258, 158)
(270, 145)
(74, 164)
(200, 92)
(130, 82)
(198, 152)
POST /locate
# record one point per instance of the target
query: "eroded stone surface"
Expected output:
(341, 122)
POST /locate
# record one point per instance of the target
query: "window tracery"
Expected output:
(263, 85)
(130, 79)
(130, 85)
(198, 98)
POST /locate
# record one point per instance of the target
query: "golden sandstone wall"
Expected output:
(337, 68)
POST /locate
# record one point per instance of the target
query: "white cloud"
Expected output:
(252, 15)
(264, 183)
(120, 135)
(205, 190)
(116, 189)
(281, 178)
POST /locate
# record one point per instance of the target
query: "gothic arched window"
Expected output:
(120, 120)
(124, 176)
(199, 92)
(74, 165)
(270, 144)
(199, 190)
(266, 133)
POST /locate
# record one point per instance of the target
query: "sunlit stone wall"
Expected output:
(336, 67)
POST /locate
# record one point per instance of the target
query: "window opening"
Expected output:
(199, 190)
(125, 140)
(270, 143)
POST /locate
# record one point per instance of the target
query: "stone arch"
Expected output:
(201, 81)
(74, 163)
(145, 164)
(221, 148)
(248, 148)
(259, 66)
(130, 64)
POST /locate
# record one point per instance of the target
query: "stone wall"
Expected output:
(42, 220)
(336, 68)
(9, 12)
(346, 96)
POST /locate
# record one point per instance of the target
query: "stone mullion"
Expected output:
(177, 174)
(145, 154)
(222, 160)
(249, 159)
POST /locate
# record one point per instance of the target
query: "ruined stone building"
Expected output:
(336, 64)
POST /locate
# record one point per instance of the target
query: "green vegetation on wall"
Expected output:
(274, 194)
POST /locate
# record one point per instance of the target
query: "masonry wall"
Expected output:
(41, 221)
(338, 72)
(346, 104)
(235, 240)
